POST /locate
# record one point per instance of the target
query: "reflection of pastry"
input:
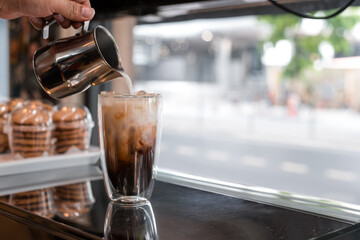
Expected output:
(40, 202)
(4, 144)
(31, 131)
(71, 129)
(74, 199)
(5, 198)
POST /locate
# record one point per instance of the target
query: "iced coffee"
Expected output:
(129, 128)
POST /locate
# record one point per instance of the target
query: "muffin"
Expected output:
(72, 128)
(40, 202)
(73, 200)
(4, 143)
(30, 131)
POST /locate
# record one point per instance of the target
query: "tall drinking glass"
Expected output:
(135, 221)
(130, 131)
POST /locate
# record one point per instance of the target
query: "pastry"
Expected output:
(40, 103)
(31, 131)
(4, 143)
(72, 128)
(14, 103)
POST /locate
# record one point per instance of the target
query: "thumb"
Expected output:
(73, 11)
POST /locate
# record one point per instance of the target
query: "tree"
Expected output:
(306, 47)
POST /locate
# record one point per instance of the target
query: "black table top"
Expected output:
(177, 213)
(186, 213)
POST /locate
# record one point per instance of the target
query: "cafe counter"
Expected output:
(179, 209)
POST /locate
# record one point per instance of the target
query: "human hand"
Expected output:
(66, 12)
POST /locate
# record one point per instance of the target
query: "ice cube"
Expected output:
(141, 93)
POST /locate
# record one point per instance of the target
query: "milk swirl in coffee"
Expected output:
(129, 131)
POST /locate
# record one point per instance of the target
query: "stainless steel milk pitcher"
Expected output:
(71, 65)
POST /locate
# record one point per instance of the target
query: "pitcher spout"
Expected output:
(111, 75)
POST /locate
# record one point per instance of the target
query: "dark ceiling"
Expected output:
(178, 10)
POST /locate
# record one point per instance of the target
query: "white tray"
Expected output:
(9, 166)
(24, 182)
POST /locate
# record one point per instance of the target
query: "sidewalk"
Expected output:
(319, 159)
(335, 129)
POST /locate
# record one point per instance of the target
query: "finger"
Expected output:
(48, 18)
(66, 23)
(76, 25)
(9, 15)
(59, 18)
(84, 2)
(37, 23)
(74, 11)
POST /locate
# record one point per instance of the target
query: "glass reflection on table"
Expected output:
(130, 221)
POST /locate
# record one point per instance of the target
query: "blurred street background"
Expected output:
(258, 102)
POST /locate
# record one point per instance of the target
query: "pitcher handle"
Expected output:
(46, 29)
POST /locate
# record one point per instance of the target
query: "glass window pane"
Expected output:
(264, 100)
